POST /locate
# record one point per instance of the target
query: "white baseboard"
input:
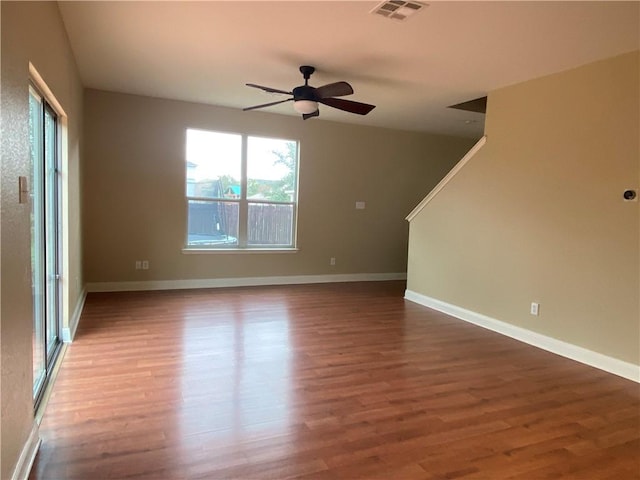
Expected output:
(240, 282)
(28, 455)
(68, 333)
(623, 369)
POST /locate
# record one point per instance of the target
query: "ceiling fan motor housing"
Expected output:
(304, 92)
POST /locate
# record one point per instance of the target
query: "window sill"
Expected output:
(206, 251)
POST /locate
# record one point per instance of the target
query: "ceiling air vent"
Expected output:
(398, 9)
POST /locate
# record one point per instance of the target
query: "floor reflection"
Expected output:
(236, 371)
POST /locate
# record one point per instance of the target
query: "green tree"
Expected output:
(288, 158)
(253, 187)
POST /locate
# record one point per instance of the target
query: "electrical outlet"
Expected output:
(534, 308)
(138, 264)
(145, 264)
(360, 205)
(332, 261)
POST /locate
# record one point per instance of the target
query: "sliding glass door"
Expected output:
(45, 251)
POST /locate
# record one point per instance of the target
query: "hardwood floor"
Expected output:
(334, 381)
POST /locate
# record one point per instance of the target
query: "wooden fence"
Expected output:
(268, 224)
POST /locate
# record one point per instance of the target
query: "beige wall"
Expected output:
(134, 184)
(538, 214)
(30, 32)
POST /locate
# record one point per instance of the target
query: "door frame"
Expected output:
(41, 88)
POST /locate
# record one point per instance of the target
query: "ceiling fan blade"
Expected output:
(309, 115)
(268, 89)
(348, 105)
(338, 89)
(267, 104)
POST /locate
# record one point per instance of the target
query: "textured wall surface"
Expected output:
(134, 191)
(538, 214)
(31, 32)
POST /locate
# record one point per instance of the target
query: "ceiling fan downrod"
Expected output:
(306, 72)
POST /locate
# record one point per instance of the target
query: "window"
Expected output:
(241, 191)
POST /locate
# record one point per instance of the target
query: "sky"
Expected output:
(218, 154)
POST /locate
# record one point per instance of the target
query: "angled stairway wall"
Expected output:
(538, 215)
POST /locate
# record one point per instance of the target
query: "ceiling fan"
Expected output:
(306, 98)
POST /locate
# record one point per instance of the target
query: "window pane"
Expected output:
(270, 224)
(213, 164)
(212, 223)
(51, 229)
(271, 169)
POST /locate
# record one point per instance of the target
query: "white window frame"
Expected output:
(243, 205)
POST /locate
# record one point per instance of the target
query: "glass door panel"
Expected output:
(37, 241)
(45, 257)
(51, 229)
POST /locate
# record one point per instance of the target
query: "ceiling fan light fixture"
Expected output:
(305, 106)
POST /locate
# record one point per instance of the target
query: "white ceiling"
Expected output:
(448, 53)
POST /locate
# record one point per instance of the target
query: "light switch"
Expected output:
(360, 205)
(23, 190)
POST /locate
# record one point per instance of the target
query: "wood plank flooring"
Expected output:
(335, 381)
